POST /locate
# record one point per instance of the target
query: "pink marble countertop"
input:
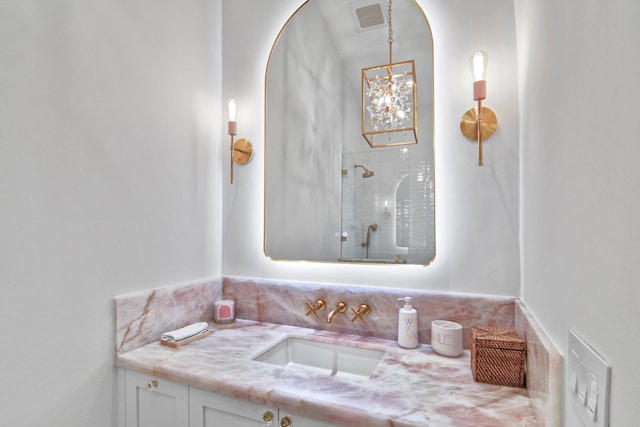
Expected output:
(408, 388)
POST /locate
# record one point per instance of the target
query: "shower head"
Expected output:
(367, 173)
(374, 227)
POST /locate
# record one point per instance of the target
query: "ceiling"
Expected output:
(369, 47)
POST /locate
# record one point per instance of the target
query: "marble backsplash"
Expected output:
(284, 302)
(544, 369)
(142, 317)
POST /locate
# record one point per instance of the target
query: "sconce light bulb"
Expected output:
(232, 124)
(479, 68)
(232, 110)
(479, 65)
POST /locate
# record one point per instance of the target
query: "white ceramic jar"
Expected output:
(446, 338)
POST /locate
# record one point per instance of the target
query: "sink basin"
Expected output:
(330, 359)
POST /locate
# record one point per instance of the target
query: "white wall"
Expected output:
(106, 186)
(579, 67)
(476, 208)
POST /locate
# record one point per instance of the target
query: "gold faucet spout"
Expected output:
(340, 308)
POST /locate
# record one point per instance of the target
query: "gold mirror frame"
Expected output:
(310, 176)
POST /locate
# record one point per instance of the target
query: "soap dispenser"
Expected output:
(407, 325)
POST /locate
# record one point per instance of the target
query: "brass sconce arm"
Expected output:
(479, 127)
(241, 150)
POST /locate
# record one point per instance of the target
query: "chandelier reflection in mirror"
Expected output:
(389, 101)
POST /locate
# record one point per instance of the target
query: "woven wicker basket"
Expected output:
(498, 356)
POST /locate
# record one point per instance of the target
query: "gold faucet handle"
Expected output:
(363, 310)
(313, 308)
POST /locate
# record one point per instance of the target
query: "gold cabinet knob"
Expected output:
(267, 417)
(152, 385)
(285, 422)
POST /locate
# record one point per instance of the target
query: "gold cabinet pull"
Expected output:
(152, 385)
(285, 422)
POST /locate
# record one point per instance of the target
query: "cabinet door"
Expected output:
(208, 409)
(155, 402)
(300, 421)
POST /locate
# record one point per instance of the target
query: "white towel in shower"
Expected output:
(184, 333)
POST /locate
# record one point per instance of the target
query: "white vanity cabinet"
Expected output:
(151, 401)
(300, 421)
(155, 402)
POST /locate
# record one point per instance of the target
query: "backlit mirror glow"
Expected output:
(329, 196)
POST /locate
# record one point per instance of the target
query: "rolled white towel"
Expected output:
(183, 333)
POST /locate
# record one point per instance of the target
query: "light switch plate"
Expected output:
(592, 400)
(574, 367)
(590, 396)
(583, 383)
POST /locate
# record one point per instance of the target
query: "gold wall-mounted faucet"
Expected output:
(341, 307)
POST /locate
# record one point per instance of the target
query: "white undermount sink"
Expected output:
(331, 359)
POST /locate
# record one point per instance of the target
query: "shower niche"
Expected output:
(388, 207)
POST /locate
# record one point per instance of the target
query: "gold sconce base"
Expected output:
(469, 124)
(242, 151)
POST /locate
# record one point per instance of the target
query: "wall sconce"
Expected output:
(386, 214)
(479, 123)
(241, 150)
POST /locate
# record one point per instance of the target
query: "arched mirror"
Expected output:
(329, 195)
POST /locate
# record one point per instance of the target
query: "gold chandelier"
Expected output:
(389, 101)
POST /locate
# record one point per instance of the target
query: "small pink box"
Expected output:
(224, 311)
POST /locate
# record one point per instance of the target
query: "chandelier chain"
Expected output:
(390, 33)
(390, 25)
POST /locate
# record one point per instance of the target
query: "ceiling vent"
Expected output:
(367, 14)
